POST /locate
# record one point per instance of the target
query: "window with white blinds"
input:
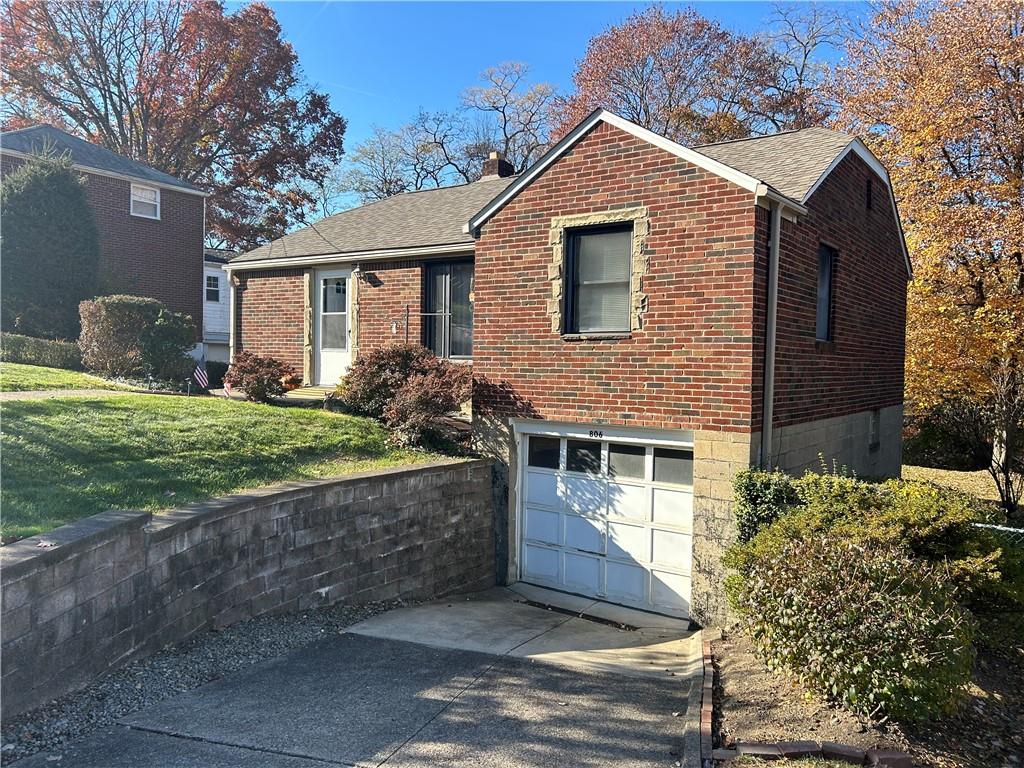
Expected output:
(599, 293)
(145, 202)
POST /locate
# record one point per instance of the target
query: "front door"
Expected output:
(331, 329)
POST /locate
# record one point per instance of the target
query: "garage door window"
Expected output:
(544, 452)
(672, 466)
(626, 460)
(583, 456)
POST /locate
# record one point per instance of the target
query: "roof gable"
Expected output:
(86, 155)
(785, 168)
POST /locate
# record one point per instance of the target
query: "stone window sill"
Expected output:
(824, 346)
(596, 336)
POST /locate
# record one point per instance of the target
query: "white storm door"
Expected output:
(331, 328)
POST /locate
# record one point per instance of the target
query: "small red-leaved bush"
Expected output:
(261, 378)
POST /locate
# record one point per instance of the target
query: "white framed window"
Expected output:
(213, 288)
(598, 291)
(145, 202)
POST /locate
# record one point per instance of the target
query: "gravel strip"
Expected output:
(171, 671)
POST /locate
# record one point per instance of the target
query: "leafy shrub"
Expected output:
(414, 413)
(15, 348)
(875, 630)
(761, 498)
(215, 371)
(133, 335)
(376, 376)
(261, 378)
(51, 254)
(953, 435)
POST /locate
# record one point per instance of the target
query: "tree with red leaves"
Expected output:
(214, 98)
(686, 77)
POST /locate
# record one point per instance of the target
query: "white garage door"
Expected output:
(608, 517)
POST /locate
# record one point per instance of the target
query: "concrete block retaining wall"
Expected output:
(120, 585)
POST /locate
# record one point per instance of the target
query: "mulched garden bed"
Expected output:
(755, 705)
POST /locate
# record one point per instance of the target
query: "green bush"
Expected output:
(761, 499)
(953, 435)
(876, 630)
(15, 348)
(133, 335)
(376, 376)
(261, 378)
(51, 257)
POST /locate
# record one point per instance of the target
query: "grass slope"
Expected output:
(979, 483)
(69, 458)
(16, 377)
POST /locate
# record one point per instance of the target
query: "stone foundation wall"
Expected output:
(847, 441)
(120, 585)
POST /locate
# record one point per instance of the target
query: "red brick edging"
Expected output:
(876, 758)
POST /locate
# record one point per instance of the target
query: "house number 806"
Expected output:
(596, 433)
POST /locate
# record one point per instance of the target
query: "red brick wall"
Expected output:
(268, 314)
(864, 367)
(690, 365)
(385, 289)
(162, 259)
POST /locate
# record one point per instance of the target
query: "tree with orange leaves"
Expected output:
(937, 90)
(211, 97)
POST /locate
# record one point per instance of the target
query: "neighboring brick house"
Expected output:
(648, 319)
(151, 225)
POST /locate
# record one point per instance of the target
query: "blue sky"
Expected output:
(380, 62)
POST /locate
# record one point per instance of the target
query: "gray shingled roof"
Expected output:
(409, 220)
(790, 162)
(38, 138)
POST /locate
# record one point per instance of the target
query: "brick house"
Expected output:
(646, 320)
(151, 226)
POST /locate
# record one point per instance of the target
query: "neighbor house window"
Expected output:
(826, 266)
(212, 288)
(597, 287)
(448, 309)
(145, 201)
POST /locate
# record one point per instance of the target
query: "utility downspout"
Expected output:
(767, 411)
(231, 318)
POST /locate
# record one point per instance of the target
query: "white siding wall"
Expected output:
(215, 314)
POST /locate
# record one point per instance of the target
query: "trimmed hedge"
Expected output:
(876, 630)
(261, 378)
(15, 348)
(133, 336)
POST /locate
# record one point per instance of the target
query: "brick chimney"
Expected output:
(496, 165)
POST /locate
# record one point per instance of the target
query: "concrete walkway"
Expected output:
(487, 680)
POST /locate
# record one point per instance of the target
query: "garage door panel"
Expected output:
(542, 488)
(672, 549)
(584, 494)
(668, 590)
(584, 533)
(629, 542)
(672, 507)
(541, 563)
(543, 525)
(626, 582)
(629, 501)
(583, 573)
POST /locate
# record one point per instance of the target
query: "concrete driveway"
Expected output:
(486, 679)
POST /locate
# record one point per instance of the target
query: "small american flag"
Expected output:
(199, 375)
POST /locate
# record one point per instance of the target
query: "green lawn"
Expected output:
(66, 458)
(979, 483)
(15, 377)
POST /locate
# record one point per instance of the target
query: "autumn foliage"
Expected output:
(211, 97)
(937, 91)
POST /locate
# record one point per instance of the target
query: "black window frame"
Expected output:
(216, 288)
(445, 314)
(570, 308)
(830, 256)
